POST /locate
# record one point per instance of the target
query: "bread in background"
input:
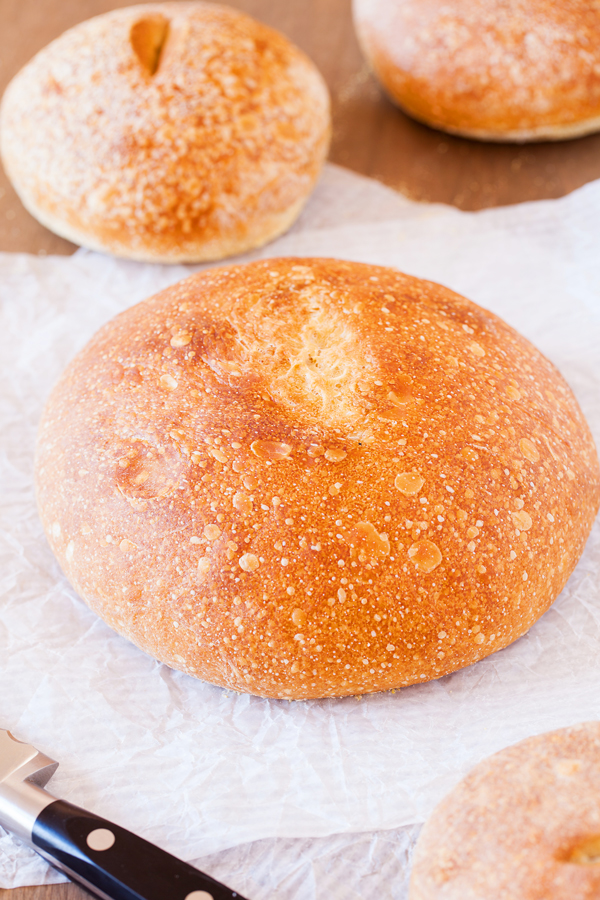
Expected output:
(495, 70)
(525, 824)
(167, 132)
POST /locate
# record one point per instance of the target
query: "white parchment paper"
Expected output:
(208, 773)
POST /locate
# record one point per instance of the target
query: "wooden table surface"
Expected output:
(370, 136)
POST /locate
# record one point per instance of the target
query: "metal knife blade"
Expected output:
(24, 771)
(108, 861)
(20, 762)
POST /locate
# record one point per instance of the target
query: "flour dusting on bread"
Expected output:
(167, 132)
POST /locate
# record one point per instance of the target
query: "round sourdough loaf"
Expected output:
(309, 478)
(524, 825)
(498, 70)
(166, 132)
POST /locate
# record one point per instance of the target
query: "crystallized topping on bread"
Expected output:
(490, 69)
(308, 478)
(524, 824)
(166, 132)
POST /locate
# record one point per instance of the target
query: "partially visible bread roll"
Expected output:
(496, 70)
(310, 478)
(524, 825)
(168, 132)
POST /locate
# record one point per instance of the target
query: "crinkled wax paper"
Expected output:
(206, 772)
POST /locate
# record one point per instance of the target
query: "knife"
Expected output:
(108, 861)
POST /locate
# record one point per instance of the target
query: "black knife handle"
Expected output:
(129, 868)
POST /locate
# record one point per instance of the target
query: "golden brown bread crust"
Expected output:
(166, 132)
(501, 70)
(524, 825)
(306, 478)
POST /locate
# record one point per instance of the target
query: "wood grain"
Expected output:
(49, 892)
(370, 136)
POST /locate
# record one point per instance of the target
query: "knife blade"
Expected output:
(107, 860)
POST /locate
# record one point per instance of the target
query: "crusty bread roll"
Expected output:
(168, 132)
(497, 70)
(524, 825)
(310, 478)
